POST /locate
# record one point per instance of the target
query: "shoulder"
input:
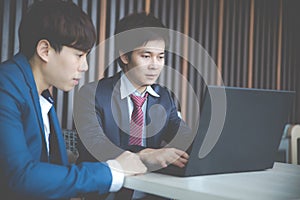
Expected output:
(163, 91)
(103, 84)
(13, 84)
(109, 81)
(106, 86)
(11, 76)
(87, 90)
(100, 91)
(9, 69)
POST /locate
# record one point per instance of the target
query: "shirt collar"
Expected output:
(126, 88)
(45, 104)
(46, 94)
(46, 101)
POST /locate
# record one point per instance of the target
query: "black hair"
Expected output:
(62, 23)
(136, 30)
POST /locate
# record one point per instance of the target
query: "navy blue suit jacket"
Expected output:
(25, 170)
(102, 120)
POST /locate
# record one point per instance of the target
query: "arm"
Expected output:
(155, 159)
(22, 175)
(93, 144)
(175, 133)
(21, 171)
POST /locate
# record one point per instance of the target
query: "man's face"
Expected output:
(65, 68)
(145, 64)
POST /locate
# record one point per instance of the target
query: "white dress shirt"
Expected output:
(115, 167)
(126, 89)
(45, 108)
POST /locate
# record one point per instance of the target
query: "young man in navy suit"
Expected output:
(55, 37)
(104, 111)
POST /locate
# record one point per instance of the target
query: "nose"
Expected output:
(84, 66)
(155, 63)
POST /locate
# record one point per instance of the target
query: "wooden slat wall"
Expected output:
(253, 43)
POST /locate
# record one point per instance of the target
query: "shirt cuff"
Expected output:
(117, 175)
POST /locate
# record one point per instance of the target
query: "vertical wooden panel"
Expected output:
(220, 39)
(5, 45)
(237, 67)
(184, 62)
(193, 74)
(258, 44)
(279, 48)
(245, 38)
(18, 16)
(111, 21)
(1, 27)
(214, 9)
(139, 6)
(92, 73)
(164, 18)
(233, 41)
(252, 42)
(147, 6)
(227, 47)
(102, 31)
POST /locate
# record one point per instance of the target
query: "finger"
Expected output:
(183, 160)
(182, 153)
(177, 160)
(178, 164)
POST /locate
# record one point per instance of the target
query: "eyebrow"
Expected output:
(150, 52)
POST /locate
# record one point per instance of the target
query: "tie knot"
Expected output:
(138, 101)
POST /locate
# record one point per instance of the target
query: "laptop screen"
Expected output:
(250, 132)
(239, 130)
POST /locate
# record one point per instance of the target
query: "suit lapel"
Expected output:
(22, 62)
(120, 112)
(57, 143)
(24, 66)
(37, 107)
(155, 120)
(150, 140)
(60, 155)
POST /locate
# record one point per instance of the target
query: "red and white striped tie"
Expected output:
(137, 120)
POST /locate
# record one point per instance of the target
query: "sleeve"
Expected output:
(22, 175)
(94, 144)
(178, 133)
(117, 175)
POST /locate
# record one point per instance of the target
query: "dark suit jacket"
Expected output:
(25, 170)
(102, 120)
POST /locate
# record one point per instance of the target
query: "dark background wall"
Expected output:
(254, 44)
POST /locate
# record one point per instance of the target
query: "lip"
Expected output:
(76, 81)
(151, 75)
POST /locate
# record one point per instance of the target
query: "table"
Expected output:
(280, 182)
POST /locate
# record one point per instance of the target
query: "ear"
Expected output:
(124, 57)
(42, 49)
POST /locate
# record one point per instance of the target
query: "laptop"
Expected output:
(250, 131)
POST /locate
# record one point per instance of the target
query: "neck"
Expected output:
(138, 87)
(142, 89)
